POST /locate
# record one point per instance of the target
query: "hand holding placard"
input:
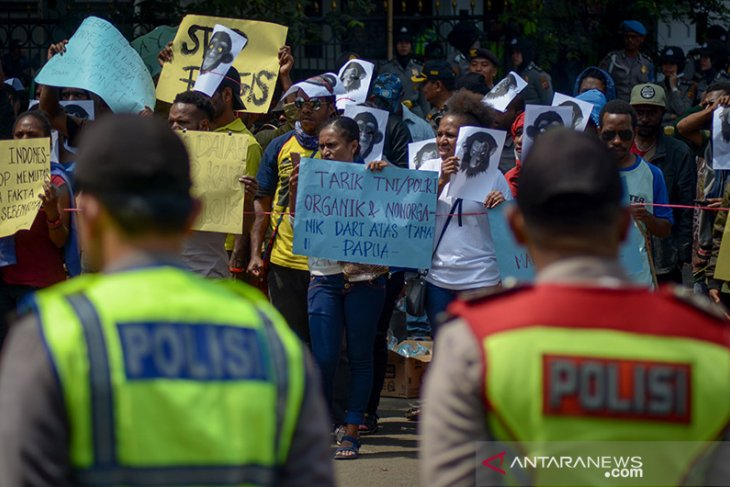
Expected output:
(348, 212)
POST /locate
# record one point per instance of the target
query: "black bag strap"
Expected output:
(456, 204)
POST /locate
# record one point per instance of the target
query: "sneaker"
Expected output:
(370, 425)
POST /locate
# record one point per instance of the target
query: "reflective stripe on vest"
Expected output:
(584, 364)
(684, 403)
(128, 415)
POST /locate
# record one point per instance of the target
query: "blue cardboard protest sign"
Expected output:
(513, 259)
(346, 212)
(515, 262)
(99, 59)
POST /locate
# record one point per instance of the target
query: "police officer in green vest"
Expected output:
(147, 374)
(582, 356)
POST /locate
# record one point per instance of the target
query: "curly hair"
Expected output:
(198, 100)
(468, 106)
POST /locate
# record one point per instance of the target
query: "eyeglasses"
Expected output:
(314, 104)
(624, 135)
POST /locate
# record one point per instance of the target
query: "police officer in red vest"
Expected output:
(580, 356)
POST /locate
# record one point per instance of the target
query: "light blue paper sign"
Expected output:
(99, 59)
(347, 213)
(514, 261)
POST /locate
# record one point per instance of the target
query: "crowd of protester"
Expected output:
(655, 117)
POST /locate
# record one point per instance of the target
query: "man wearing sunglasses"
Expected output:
(288, 274)
(644, 182)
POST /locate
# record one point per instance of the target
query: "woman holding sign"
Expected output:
(463, 257)
(33, 259)
(347, 296)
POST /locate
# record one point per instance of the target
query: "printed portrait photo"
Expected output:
(370, 133)
(421, 152)
(372, 123)
(540, 119)
(354, 78)
(426, 153)
(581, 110)
(478, 150)
(219, 51)
(353, 75)
(505, 91)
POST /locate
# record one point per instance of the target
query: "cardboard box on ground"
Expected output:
(405, 370)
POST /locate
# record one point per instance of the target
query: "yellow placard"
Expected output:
(217, 160)
(257, 63)
(24, 164)
(722, 268)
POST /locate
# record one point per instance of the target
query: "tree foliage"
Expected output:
(573, 31)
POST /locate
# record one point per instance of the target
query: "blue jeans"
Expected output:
(334, 305)
(437, 300)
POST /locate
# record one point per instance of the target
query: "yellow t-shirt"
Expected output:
(282, 253)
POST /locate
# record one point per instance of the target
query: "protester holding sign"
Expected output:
(68, 126)
(33, 259)
(288, 274)
(345, 295)
(203, 252)
(463, 257)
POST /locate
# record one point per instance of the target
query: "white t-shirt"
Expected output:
(465, 258)
(323, 267)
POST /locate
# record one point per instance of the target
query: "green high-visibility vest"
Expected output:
(171, 379)
(592, 365)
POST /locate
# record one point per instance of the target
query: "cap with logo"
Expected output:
(433, 71)
(483, 54)
(633, 26)
(648, 94)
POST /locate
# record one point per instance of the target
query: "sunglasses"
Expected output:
(624, 135)
(314, 104)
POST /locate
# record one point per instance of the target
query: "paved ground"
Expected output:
(388, 458)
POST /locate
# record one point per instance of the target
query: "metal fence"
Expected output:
(320, 46)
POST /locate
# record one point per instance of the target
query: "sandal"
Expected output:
(370, 425)
(339, 433)
(350, 452)
(414, 413)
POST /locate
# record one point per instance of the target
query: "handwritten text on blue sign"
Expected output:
(346, 212)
